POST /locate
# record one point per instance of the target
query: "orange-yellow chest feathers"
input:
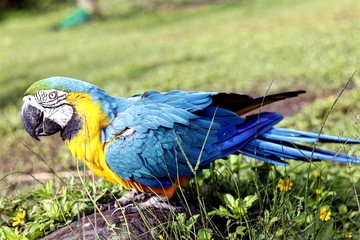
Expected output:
(86, 145)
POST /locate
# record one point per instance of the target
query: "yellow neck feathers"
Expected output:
(87, 145)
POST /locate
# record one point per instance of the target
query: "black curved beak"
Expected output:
(34, 122)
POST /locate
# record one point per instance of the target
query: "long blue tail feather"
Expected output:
(288, 150)
(257, 138)
(290, 135)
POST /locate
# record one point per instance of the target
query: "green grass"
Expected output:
(248, 47)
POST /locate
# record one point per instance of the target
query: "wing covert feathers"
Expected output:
(242, 103)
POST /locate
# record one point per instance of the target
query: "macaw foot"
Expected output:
(131, 196)
(134, 200)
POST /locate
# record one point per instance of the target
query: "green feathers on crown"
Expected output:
(63, 84)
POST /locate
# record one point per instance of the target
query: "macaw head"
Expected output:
(46, 109)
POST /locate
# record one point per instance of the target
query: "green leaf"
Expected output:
(36, 230)
(279, 232)
(230, 201)
(222, 212)
(52, 209)
(11, 233)
(181, 217)
(249, 200)
(192, 220)
(326, 230)
(266, 215)
(204, 234)
(343, 209)
(240, 230)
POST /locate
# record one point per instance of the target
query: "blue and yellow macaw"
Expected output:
(157, 140)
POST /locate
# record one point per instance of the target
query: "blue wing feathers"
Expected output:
(175, 129)
(255, 125)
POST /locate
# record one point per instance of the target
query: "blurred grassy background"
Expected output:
(240, 46)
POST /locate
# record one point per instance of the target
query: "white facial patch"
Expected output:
(61, 115)
(53, 104)
(32, 101)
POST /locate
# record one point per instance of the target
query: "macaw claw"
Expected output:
(133, 200)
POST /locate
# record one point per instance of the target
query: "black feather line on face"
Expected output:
(72, 127)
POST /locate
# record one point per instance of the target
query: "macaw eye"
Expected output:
(53, 95)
